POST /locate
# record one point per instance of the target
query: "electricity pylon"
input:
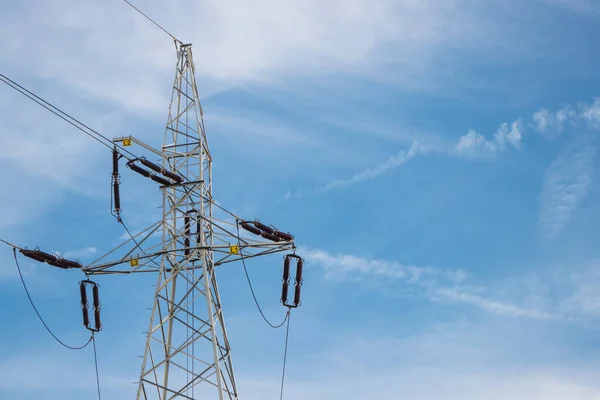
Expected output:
(187, 353)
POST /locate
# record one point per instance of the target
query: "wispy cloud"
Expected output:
(566, 184)
(436, 284)
(81, 253)
(475, 145)
(464, 295)
(472, 145)
(553, 123)
(349, 267)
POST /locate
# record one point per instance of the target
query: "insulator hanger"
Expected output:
(95, 302)
(172, 177)
(268, 232)
(297, 280)
(51, 259)
(116, 180)
(187, 221)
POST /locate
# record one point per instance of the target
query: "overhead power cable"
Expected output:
(65, 116)
(96, 363)
(151, 20)
(287, 334)
(38, 313)
(252, 289)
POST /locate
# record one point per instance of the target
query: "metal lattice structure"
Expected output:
(187, 353)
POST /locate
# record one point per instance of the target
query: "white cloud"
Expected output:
(82, 253)
(348, 266)
(235, 42)
(465, 295)
(470, 145)
(566, 184)
(474, 145)
(553, 124)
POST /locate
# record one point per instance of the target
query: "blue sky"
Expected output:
(436, 160)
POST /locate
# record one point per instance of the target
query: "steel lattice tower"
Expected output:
(187, 353)
(187, 342)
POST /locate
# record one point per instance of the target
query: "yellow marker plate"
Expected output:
(126, 142)
(134, 262)
(234, 249)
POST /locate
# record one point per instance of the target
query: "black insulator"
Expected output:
(160, 180)
(83, 292)
(139, 170)
(284, 292)
(65, 264)
(115, 160)
(49, 258)
(33, 254)
(117, 197)
(297, 295)
(97, 319)
(299, 266)
(198, 236)
(286, 269)
(264, 227)
(270, 236)
(96, 296)
(250, 228)
(151, 165)
(186, 239)
(172, 176)
(285, 236)
(84, 304)
(86, 317)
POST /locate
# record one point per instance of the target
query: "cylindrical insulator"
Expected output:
(263, 227)
(297, 295)
(117, 197)
(172, 176)
(97, 319)
(67, 264)
(285, 236)
(286, 269)
(160, 180)
(47, 257)
(198, 236)
(151, 165)
(84, 304)
(250, 228)
(186, 240)
(83, 292)
(86, 317)
(115, 162)
(284, 292)
(33, 255)
(270, 236)
(139, 170)
(96, 296)
(299, 266)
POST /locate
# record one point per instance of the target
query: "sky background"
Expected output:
(436, 160)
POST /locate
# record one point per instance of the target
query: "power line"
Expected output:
(252, 289)
(64, 116)
(287, 333)
(96, 363)
(37, 312)
(151, 20)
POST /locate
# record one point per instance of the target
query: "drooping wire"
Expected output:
(287, 334)
(151, 20)
(64, 116)
(252, 289)
(96, 363)
(38, 314)
(137, 245)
